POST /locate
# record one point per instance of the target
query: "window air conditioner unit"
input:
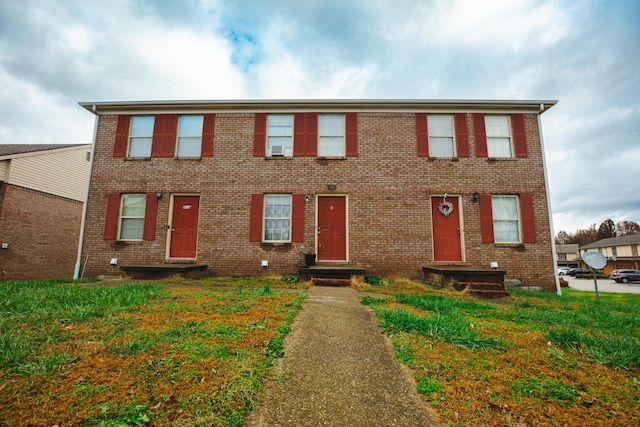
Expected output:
(277, 150)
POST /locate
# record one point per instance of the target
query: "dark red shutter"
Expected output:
(122, 135)
(299, 134)
(164, 135)
(480, 134)
(259, 134)
(422, 135)
(208, 125)
(462, 134)
(255, 222)
(486, 218)
(528, 220)
(519, 137)
(149, 231)
(311, 134)
(351, 133)
(111, 221)
(297, 218)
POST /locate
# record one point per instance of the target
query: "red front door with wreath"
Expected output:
(446, 229)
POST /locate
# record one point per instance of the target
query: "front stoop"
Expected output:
(323, 275)
(162, 271)
(483, 290)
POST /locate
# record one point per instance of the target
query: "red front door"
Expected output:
(332, 229)
(446, 229)
(184, 230)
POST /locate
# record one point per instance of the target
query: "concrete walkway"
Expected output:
(339, 370)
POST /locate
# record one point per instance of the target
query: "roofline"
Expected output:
(40, 152)
(374, 105)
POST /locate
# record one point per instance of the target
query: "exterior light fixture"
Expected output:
(475, 197)
(159, 195)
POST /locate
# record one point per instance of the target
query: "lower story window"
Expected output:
(277, 218)
(506, 227)
(132, 210)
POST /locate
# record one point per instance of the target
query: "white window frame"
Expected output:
(280, 133)
(499, 136)
(441, 143)
(331, 138)
(272, 231)
(186, 141)
(140, 136)
(501, 219)
(131, 216)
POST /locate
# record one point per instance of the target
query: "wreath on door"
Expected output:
(445, 208)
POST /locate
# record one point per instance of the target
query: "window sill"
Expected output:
(123, 243)
(510, 245)
(499, 159)
(187, 158)
(451, 159)
(275, 244)
(278, 157)
(137, 159)
(332, 157)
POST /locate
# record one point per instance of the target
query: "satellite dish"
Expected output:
(594, 260)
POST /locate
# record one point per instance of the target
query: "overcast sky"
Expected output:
(586, 54)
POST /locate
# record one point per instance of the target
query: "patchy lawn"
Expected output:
(136, 354)
(530, 360)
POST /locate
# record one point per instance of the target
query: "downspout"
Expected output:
(546, 185)
(76, 273)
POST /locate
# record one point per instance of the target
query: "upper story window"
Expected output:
(132, 213)
(498, 136)
(441, 131)
(189, 136)
(331, 135)
(141, 136)
(280, 135)
(634, 250)
(562, 257)
(277, 218)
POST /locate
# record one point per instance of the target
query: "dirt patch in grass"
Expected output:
(186, 357)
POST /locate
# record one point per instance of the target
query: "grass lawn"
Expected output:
(137, 354)
(195, 352)
(530, 360)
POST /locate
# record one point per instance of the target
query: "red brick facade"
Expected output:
(42, 232)
(388, 187)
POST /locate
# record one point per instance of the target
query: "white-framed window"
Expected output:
(634, 250)
(498, 130)
(277, 218)
(189, 136)
(140, 136)
(280, 135)
(331, 135)
(441, 142)
(132, 210)
(506, 219)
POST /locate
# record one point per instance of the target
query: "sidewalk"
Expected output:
(339, 370)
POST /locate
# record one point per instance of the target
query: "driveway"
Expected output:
(604, 285)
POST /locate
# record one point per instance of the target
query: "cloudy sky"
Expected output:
(584, 53)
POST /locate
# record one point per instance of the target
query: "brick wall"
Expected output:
(42, 231)
(388, 186)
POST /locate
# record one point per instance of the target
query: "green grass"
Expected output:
(125, 355)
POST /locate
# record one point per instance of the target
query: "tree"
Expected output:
(586, 236)
(626, 228)
(607, 229)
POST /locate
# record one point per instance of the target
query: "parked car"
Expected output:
(625, 276)
(575, 271)
(563, 270)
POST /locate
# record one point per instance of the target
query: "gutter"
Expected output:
(76, 272)
(546, 185)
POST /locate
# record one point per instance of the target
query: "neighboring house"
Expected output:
(248, 187)
(42, 190)
(567, 255)
(621, 252)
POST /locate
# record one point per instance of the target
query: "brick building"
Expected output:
(42, 189)
(248, 187)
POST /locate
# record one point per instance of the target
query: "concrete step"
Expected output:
(329, 281)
